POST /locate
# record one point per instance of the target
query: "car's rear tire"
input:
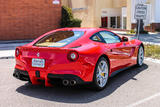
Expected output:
(140, 56)
(101, 74)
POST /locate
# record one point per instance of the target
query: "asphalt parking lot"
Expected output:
(135, 87)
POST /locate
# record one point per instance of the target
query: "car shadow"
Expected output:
(80, 94)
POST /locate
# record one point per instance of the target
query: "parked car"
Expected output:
(71, 56)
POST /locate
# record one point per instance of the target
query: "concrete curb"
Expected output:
(152, 60)
(151, 43)
(15, 41)
(7, 57)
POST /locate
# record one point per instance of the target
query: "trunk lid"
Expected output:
(49, 55)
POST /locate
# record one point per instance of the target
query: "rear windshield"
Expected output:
(59, 38)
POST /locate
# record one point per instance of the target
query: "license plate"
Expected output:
(38, 63)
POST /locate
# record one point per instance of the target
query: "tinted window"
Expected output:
(59, 38)
(96, 37)
(110, 37)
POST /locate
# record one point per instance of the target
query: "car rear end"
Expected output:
(50, 63)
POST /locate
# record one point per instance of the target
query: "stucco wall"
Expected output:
(119, 3)
(84, 10)
(91, 10)
(99, 5)
(129, 14)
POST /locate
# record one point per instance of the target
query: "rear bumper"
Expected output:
(53, 77)
(50, 79)
(22, 75)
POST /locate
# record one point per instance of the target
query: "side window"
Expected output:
(110, 37)
(96, 37)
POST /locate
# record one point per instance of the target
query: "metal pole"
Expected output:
(138, 28)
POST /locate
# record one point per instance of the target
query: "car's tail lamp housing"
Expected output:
(17, 52)
(73, 56)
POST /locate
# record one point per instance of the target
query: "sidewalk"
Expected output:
(151, 38)
(7, 48)
(6, 54)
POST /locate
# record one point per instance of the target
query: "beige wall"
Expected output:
(79, 3)
(65, 2)
(92, 9)
(124, 3)
(86, 13)
(129, 14)
(82, 9)
(101, 4)
(117, 3)
(91, 17)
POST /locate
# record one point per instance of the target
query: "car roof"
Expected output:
(79, 28)
(87, 30)
(82, 29)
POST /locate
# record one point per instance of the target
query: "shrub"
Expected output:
(157, 29)
(132, 31)
(67, 18)
(152, 51)
(75, 23)
(143, 32)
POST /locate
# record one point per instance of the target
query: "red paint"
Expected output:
(88, 53)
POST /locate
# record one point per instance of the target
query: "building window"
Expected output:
(113, 22)
(104, 21)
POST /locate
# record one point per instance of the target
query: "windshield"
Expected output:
(59, 38)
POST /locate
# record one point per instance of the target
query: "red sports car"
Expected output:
(73, 56)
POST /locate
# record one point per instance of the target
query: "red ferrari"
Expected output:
(71, 56)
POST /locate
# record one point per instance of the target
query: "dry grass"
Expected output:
(152, 51)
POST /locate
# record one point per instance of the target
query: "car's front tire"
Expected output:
(140, 56)
(101, 74)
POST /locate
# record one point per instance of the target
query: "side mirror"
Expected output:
(124, 39)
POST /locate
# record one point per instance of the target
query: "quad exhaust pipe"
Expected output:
(17, 75)
(67, 82)
(73, 82)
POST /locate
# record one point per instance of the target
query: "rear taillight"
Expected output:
(17, 52)
(73, 56)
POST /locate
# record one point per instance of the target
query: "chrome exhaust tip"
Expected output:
(73, 82)
(65, 82)
(17, 75)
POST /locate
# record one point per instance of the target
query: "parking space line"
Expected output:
(144, 100)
